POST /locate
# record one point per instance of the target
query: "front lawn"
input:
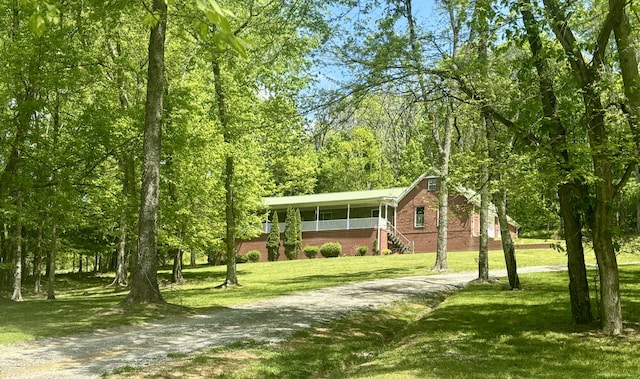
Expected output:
(483, 331)
(85, 303)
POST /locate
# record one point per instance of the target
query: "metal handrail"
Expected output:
(406, 240)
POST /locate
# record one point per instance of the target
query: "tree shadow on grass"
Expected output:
(357, 277)
(482, 332)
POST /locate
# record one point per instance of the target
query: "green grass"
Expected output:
(87, 303)
(483, 331)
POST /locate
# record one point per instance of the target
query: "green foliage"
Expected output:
(292, 237)
(374, 247)
(362, 250)
(224, 35)
(254, 256)
(352, 160)
(331, 249)
(242, 258)
(273, 240)
(386, 251)
(311, 251)
(298, 226)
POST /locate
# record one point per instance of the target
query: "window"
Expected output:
(432, 184)
(419, 217)
(375, 213)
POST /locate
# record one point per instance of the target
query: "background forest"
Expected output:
(533, 104)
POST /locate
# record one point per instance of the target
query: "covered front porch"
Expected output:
(378, 217)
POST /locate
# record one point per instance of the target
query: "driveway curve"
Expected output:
(92, 354)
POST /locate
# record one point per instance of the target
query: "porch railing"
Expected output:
(406, 241)
(340, 224)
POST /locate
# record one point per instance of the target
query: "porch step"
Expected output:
(398, 245)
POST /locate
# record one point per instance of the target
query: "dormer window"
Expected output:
(432, 184)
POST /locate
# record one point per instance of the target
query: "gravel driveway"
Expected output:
(90, 355)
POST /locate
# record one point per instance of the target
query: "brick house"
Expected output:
(403, 219)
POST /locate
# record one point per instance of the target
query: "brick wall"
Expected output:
(349, 239)
(462, 219)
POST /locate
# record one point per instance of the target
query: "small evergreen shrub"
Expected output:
(273, 241)
(331, 250)
(254, 256)
(291, 240)
(311, 251)
(386, 251)
(362, 250)
(242, 258)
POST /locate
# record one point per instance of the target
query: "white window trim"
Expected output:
(415, 217)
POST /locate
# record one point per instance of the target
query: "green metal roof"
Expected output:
(336, 198)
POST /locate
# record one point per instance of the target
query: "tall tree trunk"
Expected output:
(144, 285)
(17, 255)
(631, 79)
(443, 196)
(628, 61)
(121, 255)
(176, 274)
(4, 256)
(37, 259)
(483, 249)
(610, 306)
(230, 239)
(51, 263)
(481, 7)
(230, 235)
(587, 76)
(500, 200)
(192, 257)
(25, 96)
(572, 225)
(442, 142)
(567, 192)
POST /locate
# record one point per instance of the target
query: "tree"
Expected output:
(17, 254)
(273, 241)
(298, 225)
(144, 284)
(291, 241)
(587, 76)
(352, 160)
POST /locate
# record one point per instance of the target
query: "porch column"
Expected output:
(379, 215)
(348, 216)
(395, 216)
(386, 213)
(317, 218)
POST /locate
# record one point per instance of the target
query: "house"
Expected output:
(403, 219)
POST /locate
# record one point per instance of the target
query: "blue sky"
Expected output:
(425, 12)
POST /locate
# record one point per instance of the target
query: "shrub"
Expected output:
(242, 258)
(273, 241)
(374, 247)
(386, 251)
(290, 242)
(311, 251)
(298, 225)
(254, 256)
(331, 250)
(362, 250)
